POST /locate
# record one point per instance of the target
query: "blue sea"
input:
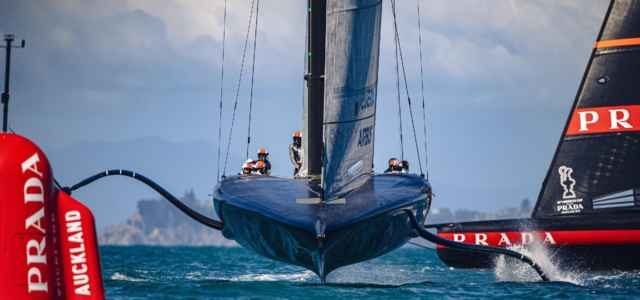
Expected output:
(411, 272)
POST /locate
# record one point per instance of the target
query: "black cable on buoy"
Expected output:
(425, 234)
(202, 219)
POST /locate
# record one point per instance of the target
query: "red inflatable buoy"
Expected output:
(48, 244)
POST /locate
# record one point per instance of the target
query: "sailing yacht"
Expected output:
(588, 211)
(338, 212)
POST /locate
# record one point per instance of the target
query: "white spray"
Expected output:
(507, 269)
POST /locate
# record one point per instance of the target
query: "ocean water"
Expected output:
(410, 272)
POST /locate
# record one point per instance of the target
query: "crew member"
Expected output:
(405, 166)
(394, 166)
(295, 152)
(263, 155)
(260, 168)
(247, 167)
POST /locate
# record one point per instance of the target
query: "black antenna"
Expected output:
(8, 38)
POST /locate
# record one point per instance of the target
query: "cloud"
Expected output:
(98, 47)
(516, 50)
(119, 70)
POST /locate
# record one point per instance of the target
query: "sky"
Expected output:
(135, 84)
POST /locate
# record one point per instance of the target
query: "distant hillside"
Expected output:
(446, 215)
(158, 222)
(176, 165)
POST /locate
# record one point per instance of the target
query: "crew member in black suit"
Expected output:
(394, 166)
(295, 152)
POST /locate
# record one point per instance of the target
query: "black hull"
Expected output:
(321, 237)
(574, 243)
(594, 258)
(364, 240)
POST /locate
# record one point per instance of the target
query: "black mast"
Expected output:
(314, 77)
(7, 69)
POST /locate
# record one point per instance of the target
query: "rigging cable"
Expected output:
(237, 95)
(424, 111)
(399, 97)
(253, 68)
(224, 37)
(406, 86)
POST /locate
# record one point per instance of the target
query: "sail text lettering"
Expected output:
(609, 119)
(587, 118)
(619, 118)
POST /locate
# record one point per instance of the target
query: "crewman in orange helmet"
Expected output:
(263, 155)
(295, 152)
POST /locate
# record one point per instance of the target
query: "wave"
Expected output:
(295, 277)
(261, 277)
(121, 277)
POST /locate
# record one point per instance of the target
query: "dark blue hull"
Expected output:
(283, 219)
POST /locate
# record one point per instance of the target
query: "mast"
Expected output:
(314, 97)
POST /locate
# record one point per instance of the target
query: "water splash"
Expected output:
(121, 277)
(293, 277)
(508, 269)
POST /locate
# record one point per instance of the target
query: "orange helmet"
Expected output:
(260, 165)
(297, 134)
(263, 151)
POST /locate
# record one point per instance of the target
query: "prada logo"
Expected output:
(608, 119)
